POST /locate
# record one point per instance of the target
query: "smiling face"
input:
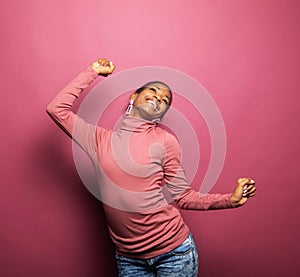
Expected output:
(152, 101)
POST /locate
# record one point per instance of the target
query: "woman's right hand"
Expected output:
(103, 67)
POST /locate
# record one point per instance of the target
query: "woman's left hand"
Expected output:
(245, 188)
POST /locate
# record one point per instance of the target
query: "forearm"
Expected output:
(193, 200)
(60, 107)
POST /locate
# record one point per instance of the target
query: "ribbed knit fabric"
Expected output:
(132, 165)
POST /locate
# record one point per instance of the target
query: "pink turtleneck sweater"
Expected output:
(134, 165)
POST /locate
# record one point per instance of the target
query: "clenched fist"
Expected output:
(103, 67)
(245, 188)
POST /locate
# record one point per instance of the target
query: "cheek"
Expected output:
(138, 100)
(164, 109)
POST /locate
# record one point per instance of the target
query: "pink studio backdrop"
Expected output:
(245, 53)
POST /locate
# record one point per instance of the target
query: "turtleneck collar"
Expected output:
(137, 125)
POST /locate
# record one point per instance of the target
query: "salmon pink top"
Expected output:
(135, 166)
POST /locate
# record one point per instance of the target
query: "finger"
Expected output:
(250, 192)
(102, 61)
(112, 66)
(244, 181)
(250, 187)
(250, 181)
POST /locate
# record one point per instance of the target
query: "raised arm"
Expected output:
(60, 107)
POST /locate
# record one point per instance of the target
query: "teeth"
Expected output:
(152, 103)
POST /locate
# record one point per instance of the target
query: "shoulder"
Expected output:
(103, 133)
(170, 141)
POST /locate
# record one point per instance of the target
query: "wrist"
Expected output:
(234, 202)
(93, 66)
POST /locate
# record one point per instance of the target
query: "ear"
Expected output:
(133, 96)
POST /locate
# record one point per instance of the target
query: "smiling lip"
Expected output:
(153, 103)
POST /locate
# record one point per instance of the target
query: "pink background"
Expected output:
(246, 54)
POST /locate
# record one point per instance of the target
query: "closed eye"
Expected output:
(155, 91)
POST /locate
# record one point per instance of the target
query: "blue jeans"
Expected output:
(180, 262)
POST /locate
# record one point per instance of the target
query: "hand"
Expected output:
(103, 67)
(245, 188)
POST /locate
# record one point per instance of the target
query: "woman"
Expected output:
(135, 161)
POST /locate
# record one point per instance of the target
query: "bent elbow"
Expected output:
(53, 111)
(50, 109)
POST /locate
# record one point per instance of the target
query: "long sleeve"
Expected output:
(182, 193)
(60, 107)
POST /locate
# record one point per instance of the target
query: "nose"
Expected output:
(157, 97)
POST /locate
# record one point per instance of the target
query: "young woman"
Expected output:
(132, 165)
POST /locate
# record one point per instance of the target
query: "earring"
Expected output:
(129, 108)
